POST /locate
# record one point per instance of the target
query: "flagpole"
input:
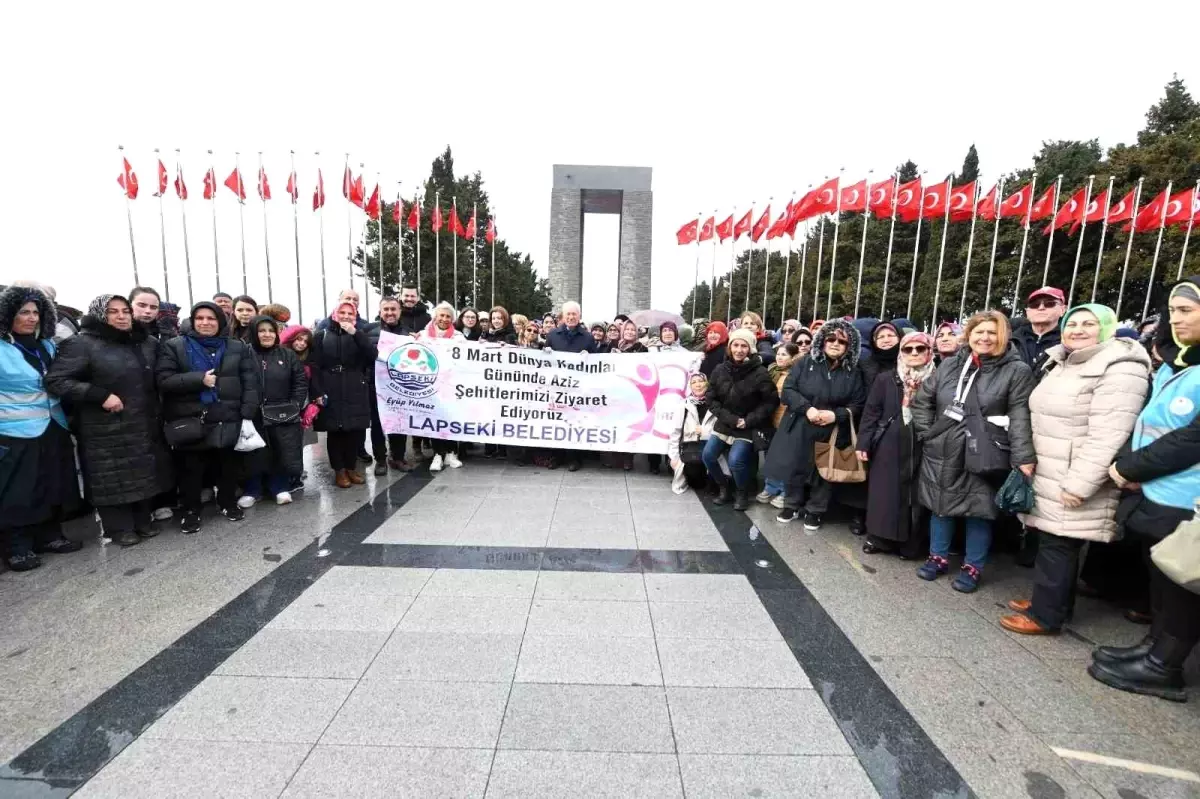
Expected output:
(696, 269)
(1162, 224)
(987, 297)
(187, 257)
(937, 288)
(162, 226)
(1024, 239)
(492, 222)
(862, 247)
(816, 309)
(1087, 201)
(266, 238)
(367, 283)
(1137, 196)
(1103, 233)
(767, 263)
(129, 214)
(803, 264)
(321, 234)
(379, 222)
(1050, 244)
(420, 201)
(475, 255)
(732, 267)
(348, 190)
(399, 240)
(887, 266)
(750, 255)
(1188, 235)
(216, 259)
(454, 244)
(962, 304)
(295, 195)
(712, 274)
(837, 226)
(241, 217)
(912, 281)
(437, 250)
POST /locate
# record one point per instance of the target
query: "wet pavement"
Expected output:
(497, 631)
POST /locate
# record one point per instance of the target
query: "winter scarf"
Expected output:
(885, 358)
(1188, 355)
(205, 352)
(910, 378)
(433, 331)
(99, 307)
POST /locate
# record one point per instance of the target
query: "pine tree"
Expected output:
(1170, 114)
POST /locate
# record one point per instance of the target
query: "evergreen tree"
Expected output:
(1170, 114)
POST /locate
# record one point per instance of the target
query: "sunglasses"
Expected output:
(1039, 304)
(836, 340)
(918, 350)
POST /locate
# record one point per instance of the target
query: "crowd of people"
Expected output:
(920, 439)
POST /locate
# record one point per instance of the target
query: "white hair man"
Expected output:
(572, 336)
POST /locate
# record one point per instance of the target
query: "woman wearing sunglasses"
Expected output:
(888, 441)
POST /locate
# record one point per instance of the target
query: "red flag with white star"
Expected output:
(490, 236)
(127, 180)
(235, 185)
(162, 179)
(292, 189)
(319, 192)
(264, 188)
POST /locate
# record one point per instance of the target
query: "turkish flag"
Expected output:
(1150, 217)
(936, 200)
(435, 221)
(1043, 206)
(743, 226)
(687, 233)
(127, 180)
(210, 184)
(1179, 208)
(760, 227)
(180, 186)
(347, 182)
(986, 209)
(490, 236)
(162, 179)
(1017, 204)
(706, 231)
(372, 207)
(1195, 215)
(470, 232)
(235, 185)
(292, 189)
(1122, 211)
(358, 192)
(962, 198)
(1096, 211)
(397, 210)
(1070, 211)
(319, 192)
(854, 197)
(456, 225)
(879, 198)
(414, 216)
(725, 229)
(264, 188)
(908, 200)
(821, 200)
(779, 228)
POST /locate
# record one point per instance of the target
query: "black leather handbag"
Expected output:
(277, 413)
(181, 432)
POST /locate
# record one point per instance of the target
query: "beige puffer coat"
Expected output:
(1083, 411)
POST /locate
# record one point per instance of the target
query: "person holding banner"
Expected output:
(572, 336)
(445, 452)
(390, 321)
(501, 330)
(743, 399)
(468, 324)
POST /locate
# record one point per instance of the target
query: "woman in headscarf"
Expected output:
(1083, 411)
(823, 392)
(37, 469)
(468, 324)
(208, 388)
(685, 447)
(107, 374)
(716, 337)
(342, 354)
(628, 342)
(244, 311)
(1165, 463)
(284, 390)
(445, 451)
(888, 441)
(947, 338)
(668, 338)
(600, 336)
(884, 352)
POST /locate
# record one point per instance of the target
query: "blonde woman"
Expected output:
(445, 452)
(765, 348)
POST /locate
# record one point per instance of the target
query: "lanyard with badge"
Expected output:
(958, 409)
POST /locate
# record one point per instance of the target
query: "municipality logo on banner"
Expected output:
(413, 369)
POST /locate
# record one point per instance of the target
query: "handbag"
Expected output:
(1016, 495)
(181, 432)
(277, 413)
(989, 453)
(839, 465)
(1178, 555)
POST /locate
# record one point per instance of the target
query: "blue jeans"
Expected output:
(741, 453)
(775, 487)
(979, 538)
(276, 484)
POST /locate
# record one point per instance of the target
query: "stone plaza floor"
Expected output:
(518, 632)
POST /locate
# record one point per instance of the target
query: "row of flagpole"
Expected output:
(128, 182)
(996, 194)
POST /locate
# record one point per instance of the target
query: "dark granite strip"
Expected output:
(898, 756)
(449, 556)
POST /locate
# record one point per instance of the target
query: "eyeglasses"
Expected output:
(836, 340)
(917, 350)
(1039, 304)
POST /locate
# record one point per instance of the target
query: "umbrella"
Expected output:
(651, 318)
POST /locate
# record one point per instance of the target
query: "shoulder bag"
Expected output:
(277, 413)
(839, 465)
(1178, 555)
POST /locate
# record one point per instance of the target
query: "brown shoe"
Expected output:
(1024, 625)
(355, 477)
(400, 465)
(341, 480)
(1020, 605)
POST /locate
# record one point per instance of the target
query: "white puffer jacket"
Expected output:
(1083, 411)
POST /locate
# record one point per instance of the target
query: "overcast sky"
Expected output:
(725, 101)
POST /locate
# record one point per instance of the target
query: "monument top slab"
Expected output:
(613, 178)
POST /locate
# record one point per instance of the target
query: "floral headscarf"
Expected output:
(911, 378)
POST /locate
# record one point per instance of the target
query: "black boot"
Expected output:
(712, 488)
(741, 499)
(724, 494)
(858, 524)
(1159, 673)
(1119, 654)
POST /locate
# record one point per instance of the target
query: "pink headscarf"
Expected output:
(910, 377)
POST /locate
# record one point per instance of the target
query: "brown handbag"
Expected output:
(839, 465)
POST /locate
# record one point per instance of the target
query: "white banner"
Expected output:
(499, 394)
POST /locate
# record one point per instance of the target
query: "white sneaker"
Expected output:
(435, 465)
(763, 497)
(283, 498)
(162, 514)
(246, 501)
(452, 461)
(206, 495)
(777, 501)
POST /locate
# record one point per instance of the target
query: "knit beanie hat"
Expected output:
(742, 334)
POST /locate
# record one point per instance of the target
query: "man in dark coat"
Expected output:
(160, 321)
(571, 336)
(1044, 308)
(414, 316)
(390, 321)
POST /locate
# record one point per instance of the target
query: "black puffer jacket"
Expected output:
(505, 335)
(280, 380)
(237, 387)
(124, 456)
(1001, 389)
(343, 361)
(413, 320)
(742, 391)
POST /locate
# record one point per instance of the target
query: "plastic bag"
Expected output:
(248, 438)
(1016, 495)
(1178, 555)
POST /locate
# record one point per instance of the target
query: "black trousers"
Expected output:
(1176, 610)
(442, 446)
(381, 443)
(342, 446)
(812, 496)
(19, 540)
(130, 517)
(1054, 581)
(223, 467)
(696, 474)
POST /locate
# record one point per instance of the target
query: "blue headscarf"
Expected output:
(206, 352)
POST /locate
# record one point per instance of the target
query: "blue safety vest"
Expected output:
(1174, 403)
(25, 407)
